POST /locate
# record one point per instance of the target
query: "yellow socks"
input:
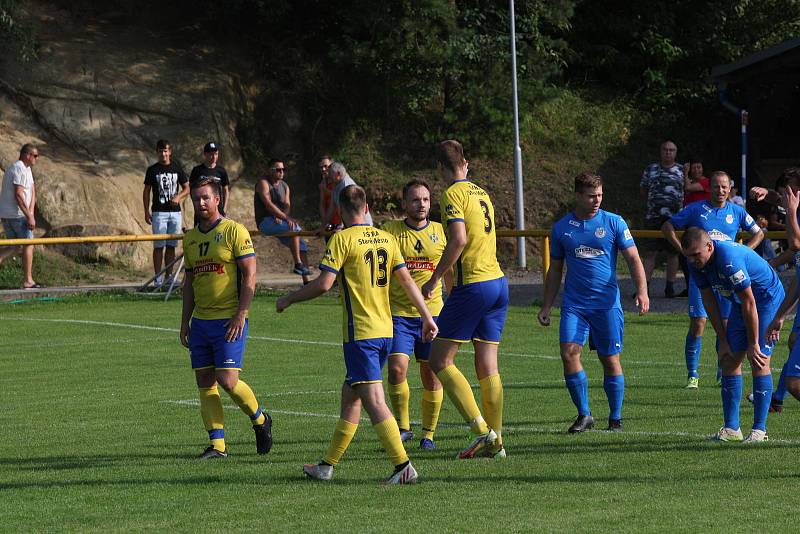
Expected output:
(342, 436)
(460, 393)
(492, 402)
(399, 395)
(431, 406)
(389, 434)
(213, 417)
(244, 397)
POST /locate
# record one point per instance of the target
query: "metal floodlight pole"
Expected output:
(520, 204)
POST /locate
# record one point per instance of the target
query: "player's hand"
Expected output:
(758, 359)
(31, 222)
(758, 193)
(774, 330)
(791, 200)
(184, 336)
(642, 301)
(148, 218)
(281, 304)
(544, 316)
(429, 330)
(235, 327)
(427, 288)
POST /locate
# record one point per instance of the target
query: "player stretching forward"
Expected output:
(722, 220)
(363, 259)
(476, 308)
(421, 242)
(588, 240)
(218, 287)
(739, 274)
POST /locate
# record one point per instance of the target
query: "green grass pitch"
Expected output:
(101, 428)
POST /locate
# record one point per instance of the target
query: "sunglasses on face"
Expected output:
(278, 169)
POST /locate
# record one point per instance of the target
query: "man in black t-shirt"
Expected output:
(211, 168)
(168, 183)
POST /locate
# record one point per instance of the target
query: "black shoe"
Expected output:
(582, 423)
(614, 425)
(211, 453)
(264, 435)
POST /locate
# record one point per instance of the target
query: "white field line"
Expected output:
(325, 343)
(528, 429)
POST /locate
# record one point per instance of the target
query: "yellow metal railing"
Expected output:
(544, 235)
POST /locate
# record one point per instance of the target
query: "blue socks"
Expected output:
(762, 395)
(578, 387)
(731, 397)
(692, 352)
(780, 391)
(614, 387)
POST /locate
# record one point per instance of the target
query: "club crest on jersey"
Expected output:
(434, 238)
(587, 252)
(729, 219)
(600, 233)
(218, 237)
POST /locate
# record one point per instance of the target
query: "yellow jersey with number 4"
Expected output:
(422, 249)
(211, 258)
(465, 202)
(363, 259)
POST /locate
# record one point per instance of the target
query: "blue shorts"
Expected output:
(166, 222)
(270, 226)
(604, 328)
(737, 333)
(208, 347)
(696, 308)
(475, 311)
(17, 228)
(364, 360)
(407, 338)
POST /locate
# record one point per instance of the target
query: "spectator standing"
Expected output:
(168, 184)
(338, 175)
(662, 185)
(210, 168)
(17, 208)
(326, 196)
(272, 203)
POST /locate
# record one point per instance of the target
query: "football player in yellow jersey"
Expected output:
(363, 259)
(476, 308)
(421, 242)
(218, 287)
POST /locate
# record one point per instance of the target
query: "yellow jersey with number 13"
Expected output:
(466, 202)
(363, 259)
(422, 249)
(211, 258)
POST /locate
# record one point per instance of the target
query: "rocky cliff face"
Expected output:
(95, 103)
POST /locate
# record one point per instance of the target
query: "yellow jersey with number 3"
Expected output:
(465, 202)
(211, 258)
(363, 259)
(422, 249)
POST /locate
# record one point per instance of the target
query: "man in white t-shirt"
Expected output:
(338, 175)
(17, 206)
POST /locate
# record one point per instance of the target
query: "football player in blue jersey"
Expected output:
(722, 220)
(742, 276)
(587, 241)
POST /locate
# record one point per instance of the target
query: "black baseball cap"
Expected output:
(211, 146)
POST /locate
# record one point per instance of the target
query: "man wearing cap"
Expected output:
(211, 169)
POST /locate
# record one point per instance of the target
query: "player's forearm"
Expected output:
(451, 253)
(672, 238)
(755, 240)
(414, 294)
(247, 292)
(788, 301)
(552, 283)
(188, 300)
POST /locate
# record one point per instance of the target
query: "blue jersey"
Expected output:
(722, 224)
(590, 249)
(734, 267)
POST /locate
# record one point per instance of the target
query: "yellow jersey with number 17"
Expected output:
(466, 202)
(422, 249)
(211, 258)
(363, 259)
